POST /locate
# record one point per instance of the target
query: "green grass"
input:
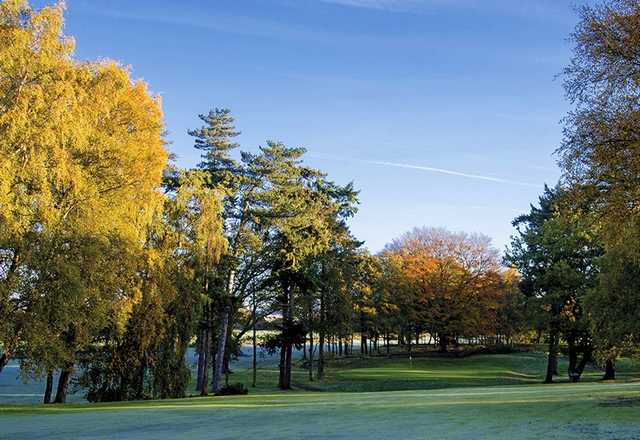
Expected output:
(380, 374)
(484, 396)
(567, 411)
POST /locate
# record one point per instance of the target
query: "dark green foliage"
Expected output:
(98, 375)
(234, 389)
(613, 305)
(288, 335)
(557, 256)
(214, 139)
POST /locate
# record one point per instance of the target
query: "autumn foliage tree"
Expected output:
(450, 283)
(600, 161)
(81, 160)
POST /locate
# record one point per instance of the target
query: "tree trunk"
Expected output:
(552, 363)
(222, 334)
(48, 387)
(289, 357)
(311, 356)
(201, 356)
(444, 342)
(221, 340)
(586, 358)
(63, 385)
(254, 343)
(140, 377)
(388, 341)
(206, 362)
(4, 360)
(227, 354)
(205, 354)
(281, 367)
(609, 370)
(286, 351)
(321, 338)
(284, 382)
(573, 359)
(310, 320)
(287, 370)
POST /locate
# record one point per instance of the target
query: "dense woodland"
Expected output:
(114, 261)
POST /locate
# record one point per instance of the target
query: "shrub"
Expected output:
(232, 390)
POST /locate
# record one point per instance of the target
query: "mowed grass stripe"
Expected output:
(464, 396)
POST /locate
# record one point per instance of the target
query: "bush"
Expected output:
(233, 390)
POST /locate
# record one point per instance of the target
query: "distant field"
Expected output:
(354, 374)
(382, 374)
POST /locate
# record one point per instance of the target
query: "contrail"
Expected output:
(451, 173)
(432, 169)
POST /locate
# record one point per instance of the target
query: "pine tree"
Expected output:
(215, 140)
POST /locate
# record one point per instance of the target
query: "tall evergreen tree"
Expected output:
(557, 258)
(215, 140)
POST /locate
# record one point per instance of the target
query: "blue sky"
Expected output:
(442, 112)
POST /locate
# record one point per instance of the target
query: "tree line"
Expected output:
(114, 261)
